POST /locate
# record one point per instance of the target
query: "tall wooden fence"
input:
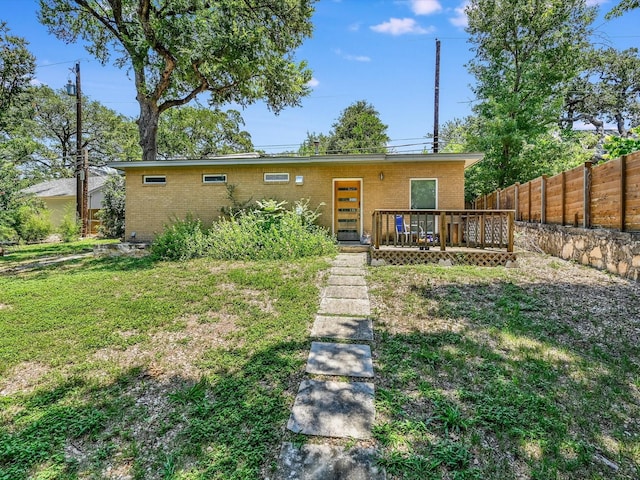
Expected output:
(606, 196)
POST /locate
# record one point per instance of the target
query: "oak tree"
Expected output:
(238, 51)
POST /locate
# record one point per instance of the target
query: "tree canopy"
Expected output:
(17, 67)
(607, 91)
(195, 132)
(239, 51)
(526, 52)
(358, 129)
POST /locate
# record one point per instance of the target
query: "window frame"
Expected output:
(266, 180)
(145, 180)
(217, 182)
(411, 180)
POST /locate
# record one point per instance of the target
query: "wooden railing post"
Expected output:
(374, 230)
(623, 188)
(443, 231)
(586, 220)
(510, 227)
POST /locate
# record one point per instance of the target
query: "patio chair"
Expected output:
(402, 229)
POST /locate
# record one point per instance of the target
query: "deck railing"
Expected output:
(426, 229)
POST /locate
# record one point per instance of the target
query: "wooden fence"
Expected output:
(606, 196)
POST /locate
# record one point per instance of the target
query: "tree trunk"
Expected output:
(148, 128)
(622, 130)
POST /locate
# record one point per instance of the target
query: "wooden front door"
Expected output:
(346, 210)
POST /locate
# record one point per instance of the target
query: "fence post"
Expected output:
(562, 198)
(529, 202)
(586, 221)
(516, 200)
(498, 199)
(543, 199)
(623, 188)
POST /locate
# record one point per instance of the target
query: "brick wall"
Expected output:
(150, 207)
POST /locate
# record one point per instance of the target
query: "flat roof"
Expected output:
(255, 159)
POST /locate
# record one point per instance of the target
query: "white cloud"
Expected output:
(314, 82)
(593, 3)
(425, 7)
(352, 58)
(460, 19)
(34, 82)
(354, 27)
(401, 26)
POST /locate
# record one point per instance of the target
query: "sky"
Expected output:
(379, 51)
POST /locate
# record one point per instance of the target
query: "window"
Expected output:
(214, 178)
(154, 179)
(276, 177)
(424, 193)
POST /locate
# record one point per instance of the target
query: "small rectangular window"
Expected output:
(154, 179)
(214, 178)
(276, 177)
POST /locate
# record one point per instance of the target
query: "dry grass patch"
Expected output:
(507, 373)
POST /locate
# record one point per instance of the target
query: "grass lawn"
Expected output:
(495, 373)
(24, 253)
(126, 368)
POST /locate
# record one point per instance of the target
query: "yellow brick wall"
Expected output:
(150, 207)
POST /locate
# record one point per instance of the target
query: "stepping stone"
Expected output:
(324, 462)
(346, 291)
(353, 280)
(349, 261)
(346, 271)
(333, 409)
(345, 306)
(340, 359)
(348, 328)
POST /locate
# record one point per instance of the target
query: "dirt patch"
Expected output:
(23, 378)
(174, 353)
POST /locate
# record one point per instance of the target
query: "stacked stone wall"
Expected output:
(616, 252)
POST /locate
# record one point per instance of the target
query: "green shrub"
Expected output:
(70, 227)
(111, 215)
(32, 225)
(181, 240)
(7, 234)
(268, 232)
(271, 233)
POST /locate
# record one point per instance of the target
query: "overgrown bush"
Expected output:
(70, 227)
(111, 215)
(268, 232)
(181, 240)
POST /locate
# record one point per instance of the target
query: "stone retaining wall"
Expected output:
(616, 252)
(123, 249)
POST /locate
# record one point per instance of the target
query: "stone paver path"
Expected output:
(347, 328)
(340, 409)
(342, 359)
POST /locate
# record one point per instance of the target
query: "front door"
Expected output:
(346, 210)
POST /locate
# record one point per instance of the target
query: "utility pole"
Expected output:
(436, 99)
(81, 170)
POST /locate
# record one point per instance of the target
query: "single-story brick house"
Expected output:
(350, 186)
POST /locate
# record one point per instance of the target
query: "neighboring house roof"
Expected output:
(63, 187)
(253, 159)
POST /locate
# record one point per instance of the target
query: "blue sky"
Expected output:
(380, 51)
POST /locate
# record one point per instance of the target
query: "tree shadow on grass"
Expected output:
(229, 424)
(504, 381)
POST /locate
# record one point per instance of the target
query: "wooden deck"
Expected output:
(458, 237)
